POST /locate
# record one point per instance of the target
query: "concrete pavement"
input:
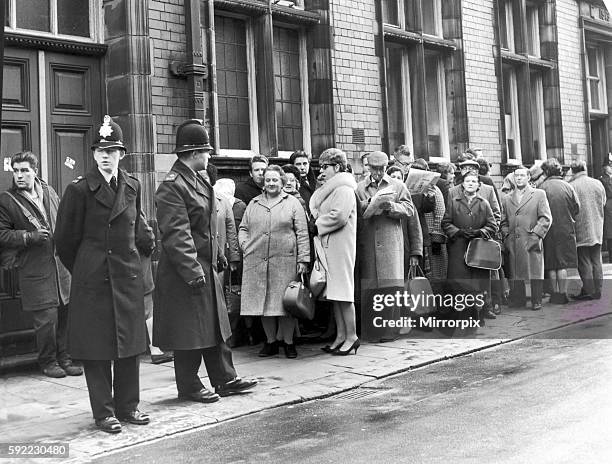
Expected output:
(35, 408)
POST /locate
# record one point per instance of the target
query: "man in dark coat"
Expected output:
(96, 234)
(564, 207)
(253, 186)
(190, 316)
(27, 220)
(307, 178)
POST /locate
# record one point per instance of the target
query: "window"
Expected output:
(390, 12)
(232, 84)
(596, 80)
(432, 17)
(538, 124)
(506, 19)
(511, 120)
(398, 98)
(533, 31)
(287, 89)
(236, 101)
(435, 94)
(64, 18)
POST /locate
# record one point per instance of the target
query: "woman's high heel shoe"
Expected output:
(331, 350)
(354, 346)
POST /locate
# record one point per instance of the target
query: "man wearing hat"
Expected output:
(190, 316)
(380, 241)
(96, 234)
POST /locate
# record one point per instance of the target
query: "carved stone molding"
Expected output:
(54, 44)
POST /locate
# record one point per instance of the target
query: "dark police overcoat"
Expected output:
(184, 319)
(96, 240)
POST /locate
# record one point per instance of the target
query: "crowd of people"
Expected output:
(85, 262)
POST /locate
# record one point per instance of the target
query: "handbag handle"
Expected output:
(35, 222)
(412, 272)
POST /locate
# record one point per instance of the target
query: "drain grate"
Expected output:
(358, 394)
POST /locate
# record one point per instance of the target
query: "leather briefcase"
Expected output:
(483, 254)
(298, 300)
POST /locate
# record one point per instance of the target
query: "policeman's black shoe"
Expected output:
(134, 417)
(109, 424)
(235, 387)
(536, 307)
(269, 349)
(201, 396)
(582, 297)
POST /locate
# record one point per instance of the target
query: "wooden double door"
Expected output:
(51, 105)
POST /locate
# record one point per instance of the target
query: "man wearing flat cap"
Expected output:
(380, 240)
(190, 316)
(98, 227)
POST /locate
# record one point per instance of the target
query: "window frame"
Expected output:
(437, 10)
(252, 88)
(533, 30)
(514, 116)
(401, 16)
(600, 79)
(538, 119)
(443, 114)
(96, 23)
(406, 98)
(509, 26)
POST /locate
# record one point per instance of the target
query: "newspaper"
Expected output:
(383, 195)
(418, 181)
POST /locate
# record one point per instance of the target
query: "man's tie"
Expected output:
(113, 184)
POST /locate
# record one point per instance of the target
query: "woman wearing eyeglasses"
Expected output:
(334, 209)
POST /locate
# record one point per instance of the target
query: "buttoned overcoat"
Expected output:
(96, 240)
(525, 221)
(461, 214)
(183, 318)
(273, 237)
(380, 240)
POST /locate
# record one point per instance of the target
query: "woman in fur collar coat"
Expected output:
(333, 207)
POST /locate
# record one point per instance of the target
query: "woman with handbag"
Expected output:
(468, 216)
(334, 208)
(273, 237)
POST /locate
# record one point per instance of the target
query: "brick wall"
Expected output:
(480, 80)
(570, 80)
(169, 94)
(356, 76)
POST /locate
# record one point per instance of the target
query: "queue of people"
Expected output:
(92, 249)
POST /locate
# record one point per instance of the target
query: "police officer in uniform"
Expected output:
(190, 316)
(96, 234)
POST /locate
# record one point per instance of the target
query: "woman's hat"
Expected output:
(192, 135)
(109, 135)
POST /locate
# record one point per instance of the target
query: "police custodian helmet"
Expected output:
(109, 135)
(191, 135)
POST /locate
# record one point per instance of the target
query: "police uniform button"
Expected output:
(110, 252)
(106, 279)
(265, 259)
(132, 250)
(132, 222)
(133, 277)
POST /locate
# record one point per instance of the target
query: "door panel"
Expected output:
(20, 104)
(75, 102)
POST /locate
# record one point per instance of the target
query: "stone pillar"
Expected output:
(128, 87)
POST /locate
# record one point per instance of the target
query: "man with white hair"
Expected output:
(589, 230)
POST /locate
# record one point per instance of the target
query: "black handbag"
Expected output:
(232, 295)
(483, 253)
(298, 300)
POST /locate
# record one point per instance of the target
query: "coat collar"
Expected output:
(196, 181)
(127, 188)
(529, 190)
(369, 182)
(280, 198)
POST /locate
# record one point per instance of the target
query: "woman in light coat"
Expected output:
(334, 208)
(273, 237)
